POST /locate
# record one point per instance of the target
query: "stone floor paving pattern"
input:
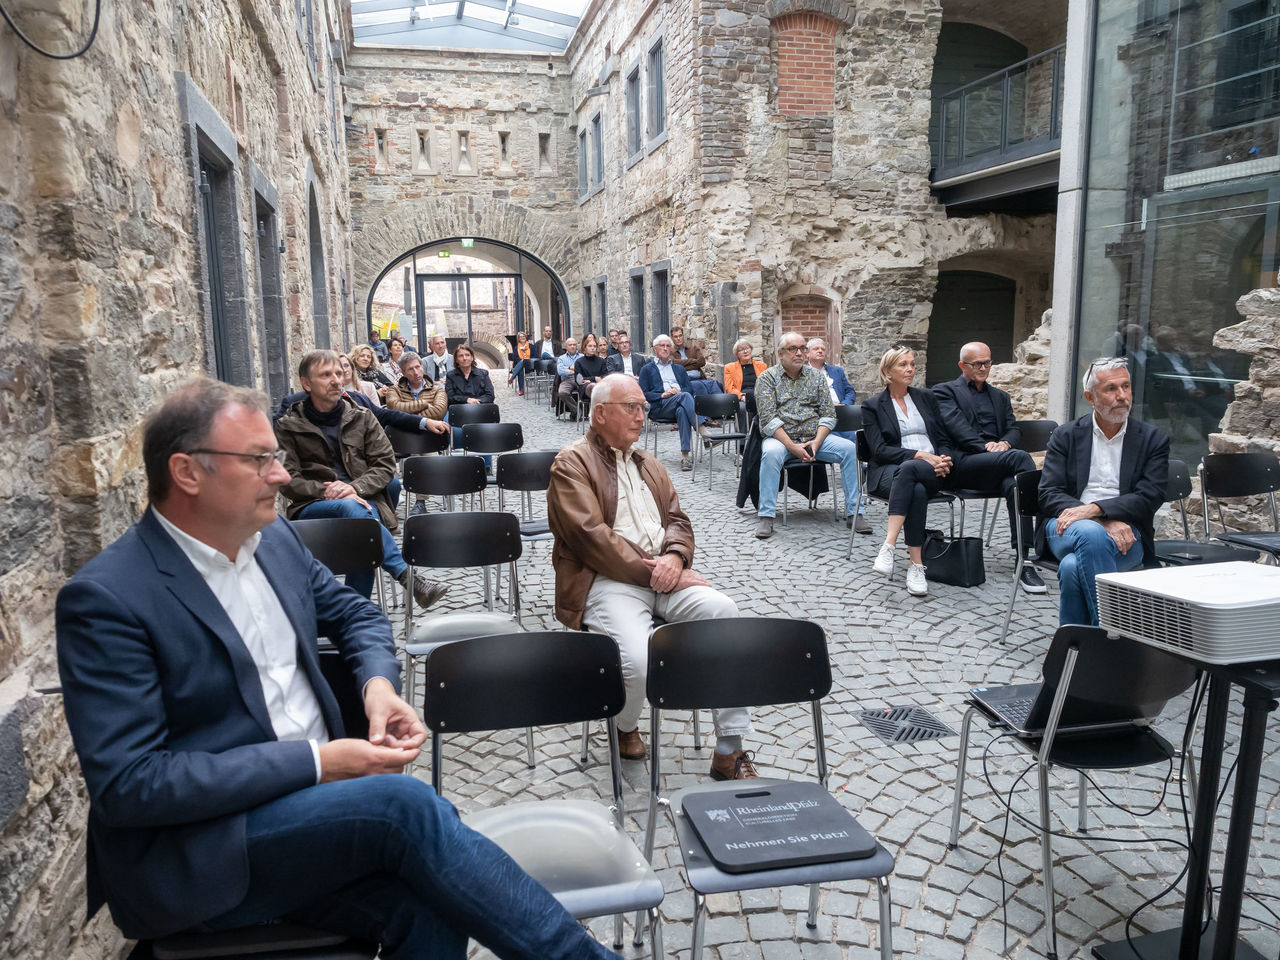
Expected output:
(886, 649)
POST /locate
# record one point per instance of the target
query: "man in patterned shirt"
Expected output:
(796, 417)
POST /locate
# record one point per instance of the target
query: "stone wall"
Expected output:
(1026, 379)
(102, 308)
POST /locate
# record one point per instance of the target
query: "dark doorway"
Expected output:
(271, 300)
(966, 52)
(969, 305)
(319, 284)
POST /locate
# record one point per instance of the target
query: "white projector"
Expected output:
(1212, 612)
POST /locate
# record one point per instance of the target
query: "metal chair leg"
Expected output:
(697, 732)
(617, 931)
(886, 919)
(699, 918)
(528, 745)
(657, 950)
(811, 921)
(1082, 821)
(586, 742)
(965, 727)
(1046, 852)
(1013, 595)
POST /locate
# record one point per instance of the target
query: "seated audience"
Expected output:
(375, 343)
(520, 358)
(842, 392)
(740, 379)
(368, 369)
(624, 555)
(416, 394)
(666, 388)
(910, 459)
(467, 383)
(690, 356)
(980, 419)
(391, 366)
(547, 346)
(223, 791)
(624, 361)
(795, 419)
(340, 463)
(353, 383)
(590, 367)
(614, 337)
(437, 363)
(1104, 478)
(564, 384)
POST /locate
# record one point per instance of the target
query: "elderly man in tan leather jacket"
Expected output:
(624, 555)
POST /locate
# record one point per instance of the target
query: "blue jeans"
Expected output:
(392, 560)
(385, 859)
(773, 455)
(518, 372)
(1084, 551)
(699, 387)
(680, 409)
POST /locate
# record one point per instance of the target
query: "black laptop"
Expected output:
(1024, 708)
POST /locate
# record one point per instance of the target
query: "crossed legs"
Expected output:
(1084, 550)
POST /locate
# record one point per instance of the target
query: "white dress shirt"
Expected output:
(668, 374)
(831, 384)
(255, 611)
(626, 365)
(1104, 465)
(915, 432)
(638, 519)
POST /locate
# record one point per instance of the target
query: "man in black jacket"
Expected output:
(1104, 478)
(980, 419)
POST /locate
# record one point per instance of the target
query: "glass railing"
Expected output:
(1008, 115)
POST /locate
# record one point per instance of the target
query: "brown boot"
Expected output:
(738, 765)
(630, 746)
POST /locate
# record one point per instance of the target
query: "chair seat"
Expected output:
(1184, 553)
(448, 627)
(263, 941)
(1111, 751)
(534, 528)
(576, 850)
(705, 877)
(1257, 540)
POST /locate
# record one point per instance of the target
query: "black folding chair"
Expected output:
(746, 662)
(415, 443)
(1114, 680)
(491, 438)
(446, 477)
(1186, 552)
(345, 545)
(461, 415)
(1226, 476)
(1026, 503)
(715, 406)
(577, 849)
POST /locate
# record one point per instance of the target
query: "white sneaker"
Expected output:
(917, 586)
(884, 560)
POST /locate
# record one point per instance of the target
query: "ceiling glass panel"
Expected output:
(536, 25)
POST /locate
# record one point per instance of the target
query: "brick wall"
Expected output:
(806, 316)
(806, 50)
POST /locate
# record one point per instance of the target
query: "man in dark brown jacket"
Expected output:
(414, 393)
(624, 554)
(340, 462)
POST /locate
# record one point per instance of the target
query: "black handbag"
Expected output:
(957, 561)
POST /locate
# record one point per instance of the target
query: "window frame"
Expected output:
(656, 92)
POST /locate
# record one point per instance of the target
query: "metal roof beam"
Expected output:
(426, 26)
(520, 9)
(377, 6)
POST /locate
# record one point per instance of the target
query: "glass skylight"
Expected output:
(539, 25)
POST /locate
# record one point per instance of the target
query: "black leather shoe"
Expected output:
(1030, 581)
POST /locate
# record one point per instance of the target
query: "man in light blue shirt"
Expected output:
(666, 387)
(564, 370)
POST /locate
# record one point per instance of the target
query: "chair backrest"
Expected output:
(444, 476)
(1178, 486)
(525, 471)
(1035, 434)
(737, 662)
(864, 450)
(416, 443)
(492, 437)
(462, 539)
(1241, 474)
(1115, 678)
(345, 545)
(461, 414)
(716, 406)
(848, 417)
(1026, 493)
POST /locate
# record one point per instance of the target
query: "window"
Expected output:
(657, 92)
(422, 160)
(586, 310)
(602, 304)
(635, 129)
(545, 164)
(1248, 87)
(661, 298)
(637, 309)
(319, 278)
(275, 347)
(582, 164)
(213, 187)
(597, 150)
(380, 161)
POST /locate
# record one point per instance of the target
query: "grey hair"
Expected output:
(744, 342)
(604, 389)
(782, 340)
(1102, 363)
(813, 340)
(183, 422)
(662, 336)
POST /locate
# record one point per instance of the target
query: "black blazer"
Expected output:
(1144, 472)
(613, 363)
(955, 400)
(556, 349)
(884, 440)
(459, 389)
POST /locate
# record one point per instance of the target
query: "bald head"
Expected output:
(975, 362)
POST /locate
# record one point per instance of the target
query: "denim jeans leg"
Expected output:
(310, 845)
(836, 449)
(772, 455)
(1091, 551)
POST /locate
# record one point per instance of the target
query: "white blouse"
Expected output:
(915, 434)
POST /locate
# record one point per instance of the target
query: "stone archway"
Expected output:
(384, 232)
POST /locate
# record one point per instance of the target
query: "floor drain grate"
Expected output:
(904, 724)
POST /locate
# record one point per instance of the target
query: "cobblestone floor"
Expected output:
(887, 649)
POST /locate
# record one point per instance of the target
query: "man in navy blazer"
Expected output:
(1104, 479)
(980, 419)
(666, 388)
(222, 789)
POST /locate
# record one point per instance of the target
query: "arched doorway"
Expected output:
(968, 305)
(468, 289)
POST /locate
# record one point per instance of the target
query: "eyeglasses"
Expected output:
(631, 406)
(977, 364)
(1108, 361)
(800, 349)
(263, 460)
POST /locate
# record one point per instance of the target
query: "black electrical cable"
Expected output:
(93, 33)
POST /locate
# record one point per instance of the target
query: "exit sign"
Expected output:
(468, 242)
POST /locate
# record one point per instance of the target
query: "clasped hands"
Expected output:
(940, 462)
(667, 574)
(340, 490)
(1119, 531)
(395, 735)
(804, 452)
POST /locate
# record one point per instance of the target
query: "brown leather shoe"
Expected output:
(630, 746)
(739, 765)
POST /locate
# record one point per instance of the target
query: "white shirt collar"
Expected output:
(204, 558)
(1099, 435)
